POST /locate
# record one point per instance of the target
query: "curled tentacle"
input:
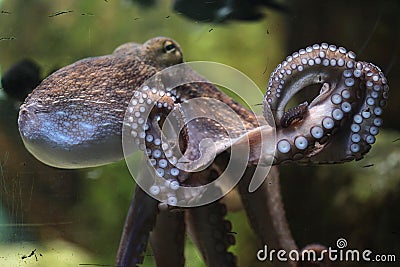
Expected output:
(351, 100)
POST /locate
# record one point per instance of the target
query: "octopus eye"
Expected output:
(169, 47)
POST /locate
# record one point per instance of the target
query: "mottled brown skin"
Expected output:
(110, 77)
(77, 112)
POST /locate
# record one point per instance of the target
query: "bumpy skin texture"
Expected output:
(76, 113)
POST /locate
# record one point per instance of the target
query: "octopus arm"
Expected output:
(167, 240)
(139, 221)
(211, 234)
(266, 213)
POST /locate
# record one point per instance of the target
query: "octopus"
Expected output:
(79, 115)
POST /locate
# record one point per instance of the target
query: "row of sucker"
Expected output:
(350, 91)
(367, 121)
(147, 114)
(155, 105)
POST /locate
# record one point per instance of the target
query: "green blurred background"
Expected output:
(76, 217)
